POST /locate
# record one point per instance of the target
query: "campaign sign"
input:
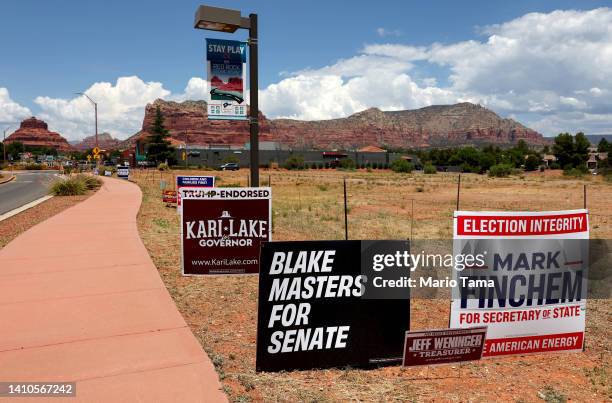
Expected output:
(169, 196)
(312, 313)
(123, 172)
(444, 346)
(222, 229)
(192, 182)
(226, 62)
(531, 291)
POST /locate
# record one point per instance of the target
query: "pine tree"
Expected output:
(159, 148)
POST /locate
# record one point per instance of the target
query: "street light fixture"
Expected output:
(95, 111)
(225, 20)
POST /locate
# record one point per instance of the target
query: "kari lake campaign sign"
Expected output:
(222, 229)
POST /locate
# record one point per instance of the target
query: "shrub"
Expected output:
(430, 169)
(554, 165)
(68, 187)
(33, 167)
(163, 167)
(346, 163)
(401, 165)
(294, 162)
(90, 182)
(500, 170)
(574, 172)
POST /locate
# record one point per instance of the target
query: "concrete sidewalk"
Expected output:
(81, 301)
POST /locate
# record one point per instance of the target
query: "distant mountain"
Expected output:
(34, 132)
(105, 142)
(596, 138)
(438, 125)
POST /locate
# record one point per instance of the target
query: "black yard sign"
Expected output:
(312, 313)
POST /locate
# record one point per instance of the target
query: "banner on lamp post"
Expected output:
(226, 67)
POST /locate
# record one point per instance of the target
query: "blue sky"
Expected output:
(51, 49)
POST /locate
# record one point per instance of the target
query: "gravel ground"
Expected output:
(12, 227)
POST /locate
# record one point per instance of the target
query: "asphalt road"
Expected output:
(25, 188)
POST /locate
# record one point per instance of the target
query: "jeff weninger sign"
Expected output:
(222, 229)
(312, 310)
(531, 290)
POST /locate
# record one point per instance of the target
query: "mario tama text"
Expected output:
(312, 313)
(221, 230)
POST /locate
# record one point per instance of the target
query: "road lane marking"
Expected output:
(24, 207)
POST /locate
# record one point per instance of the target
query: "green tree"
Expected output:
(532, 162)
(401, 165)
(563, 149)
(603, 146)
(581, 149)
(159, 148)
(14, 149)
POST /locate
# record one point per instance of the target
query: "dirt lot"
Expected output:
(222, 311)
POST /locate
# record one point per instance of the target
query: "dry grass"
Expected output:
(222, 311)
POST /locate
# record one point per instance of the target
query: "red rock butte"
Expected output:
(432, 126)
(35, 133)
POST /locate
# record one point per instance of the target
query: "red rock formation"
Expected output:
(35, 133)
(439, 125)
(188, 121)
(105, 142)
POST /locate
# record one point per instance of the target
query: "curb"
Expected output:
(24, 207)
(3, 181)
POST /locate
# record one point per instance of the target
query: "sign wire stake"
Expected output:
(458, 189)
(345, 213)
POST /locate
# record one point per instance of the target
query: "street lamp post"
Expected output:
(95, 112)
(225, 20)
(4, 144)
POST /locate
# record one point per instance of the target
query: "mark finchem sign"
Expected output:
(531, 290)
(191, 181)
(226, 76)
(312, 311)
(432, 347)
(222, 229)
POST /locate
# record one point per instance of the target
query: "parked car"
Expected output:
(230, 166)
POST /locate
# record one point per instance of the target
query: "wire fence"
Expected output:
(311, 204)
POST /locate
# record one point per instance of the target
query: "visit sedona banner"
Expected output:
(531, 291)
(222, 229)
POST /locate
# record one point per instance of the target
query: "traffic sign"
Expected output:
(88, 157)
(96, 151)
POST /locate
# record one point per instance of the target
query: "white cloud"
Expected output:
(382, 32)
(121, 106)
(552, 69)
(10, 111)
